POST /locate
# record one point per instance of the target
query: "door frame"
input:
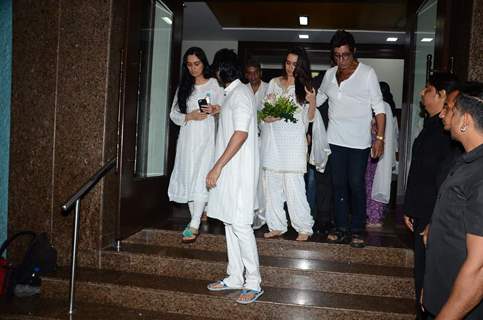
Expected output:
(132, 216)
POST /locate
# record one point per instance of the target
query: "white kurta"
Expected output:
(260, 94)
(195, 147)
(233, 199)
(284, 144)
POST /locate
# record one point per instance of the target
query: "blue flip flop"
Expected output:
(256, 295)
(224, 287)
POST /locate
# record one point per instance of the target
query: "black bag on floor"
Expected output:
(40, 258)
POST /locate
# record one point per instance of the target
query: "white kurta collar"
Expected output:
(232, 86)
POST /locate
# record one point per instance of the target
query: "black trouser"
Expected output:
(325, 198)
(348, 173)
(419, 261)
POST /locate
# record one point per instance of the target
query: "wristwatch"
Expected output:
(381, 138)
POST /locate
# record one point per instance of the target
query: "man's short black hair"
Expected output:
(253, 64)
(471, 101)
(229, 68)
(342, 38)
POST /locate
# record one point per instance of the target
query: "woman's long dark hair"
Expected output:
(187, 83)
(387, 96)
(302, 74)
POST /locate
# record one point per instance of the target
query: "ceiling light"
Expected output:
(391, 39)
(303, 36)
(167, 20)
(426, 39)
(303, 20)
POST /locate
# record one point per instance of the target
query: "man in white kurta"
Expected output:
(233, 182)
(258, 87)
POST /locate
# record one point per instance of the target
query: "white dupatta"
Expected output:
(320, 146)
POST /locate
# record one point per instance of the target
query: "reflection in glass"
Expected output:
(153, 93)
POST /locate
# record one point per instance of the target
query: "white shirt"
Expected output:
(351, 105)
(260, 94)
(233, 199)
(284, 144)
(195, 148)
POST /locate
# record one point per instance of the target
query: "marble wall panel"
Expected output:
(34, 72)
(475, 68)
(79, 129)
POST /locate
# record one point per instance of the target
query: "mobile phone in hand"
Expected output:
(202, 103)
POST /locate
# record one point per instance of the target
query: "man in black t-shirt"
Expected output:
(453, 281)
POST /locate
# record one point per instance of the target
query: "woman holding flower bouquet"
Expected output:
(197, 99)
(289, 107)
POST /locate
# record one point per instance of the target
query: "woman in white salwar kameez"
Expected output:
(196, 142)
(233, 183)
(284, 150)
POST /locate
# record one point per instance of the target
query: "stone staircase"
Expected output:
(155, 276)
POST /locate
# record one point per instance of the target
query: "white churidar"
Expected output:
(381, 186)
(283, 187)
(195, 147)
(242, 257)
(196, 210)
(351, 105)
(233, 199)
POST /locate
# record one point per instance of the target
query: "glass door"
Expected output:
(423, 48)
(145, 113)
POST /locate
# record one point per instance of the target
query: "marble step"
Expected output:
(280, 272)
(190, 297)
(38, 308)
(371, 255)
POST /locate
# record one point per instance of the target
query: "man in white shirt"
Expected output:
(233, 181)
(352, 89)
(253, 74)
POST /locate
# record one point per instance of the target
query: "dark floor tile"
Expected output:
(37, 307)
(302, 263)
(272, 295)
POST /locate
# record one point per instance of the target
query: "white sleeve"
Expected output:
(321, 96)
(375, 93)
(176, 116)
(243, 113)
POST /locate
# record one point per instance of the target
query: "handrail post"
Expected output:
(75, 239)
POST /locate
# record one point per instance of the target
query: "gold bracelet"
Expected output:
(381, 138)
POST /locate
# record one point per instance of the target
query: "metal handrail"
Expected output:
(75, 199)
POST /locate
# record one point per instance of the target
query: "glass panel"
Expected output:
(155, 62)
(425, 38)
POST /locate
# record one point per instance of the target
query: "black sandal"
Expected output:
(357, 241)
(338, 236)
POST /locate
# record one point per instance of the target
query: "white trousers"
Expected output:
(259, 219)
(196, 210)
(242, 257)
(289, 187)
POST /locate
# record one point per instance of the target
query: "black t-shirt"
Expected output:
(458, 211)
(430, 148)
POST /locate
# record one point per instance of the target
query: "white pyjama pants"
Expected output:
(289, 187)
(242, 257)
